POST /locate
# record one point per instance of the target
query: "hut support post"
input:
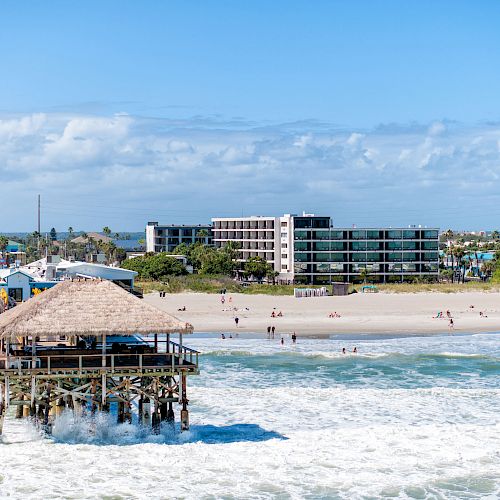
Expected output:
(2, 407)
(103, 376)
(156, 413)
(184, 400)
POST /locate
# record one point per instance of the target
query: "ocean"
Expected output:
(414, 417)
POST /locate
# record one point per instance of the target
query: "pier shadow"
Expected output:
(236, 433)
(102, 431)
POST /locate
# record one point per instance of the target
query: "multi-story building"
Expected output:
(164, 238)
(256, 236)
(309, 250)
(324, 254)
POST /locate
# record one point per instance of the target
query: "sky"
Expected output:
(375, 113)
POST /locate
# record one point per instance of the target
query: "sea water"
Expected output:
(415, 417)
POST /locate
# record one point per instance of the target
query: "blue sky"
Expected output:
(373, 112)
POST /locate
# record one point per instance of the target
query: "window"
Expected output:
(284, 245)
(358, 245)
(284, 235)
(284, 256)
(409, 235)
(429, 235)
(394, 245)
(283, 267)
(302, 257)
(321, 245)
(16, 294)
(284, 224)
(336, 235)
(302, 235)
(302, 245)
(430, 245)
(373, 235)
(409, 245)
(321, 235)
(359, 235)
(394, 235)
(301, 268)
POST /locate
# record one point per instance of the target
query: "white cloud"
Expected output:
(195, 169)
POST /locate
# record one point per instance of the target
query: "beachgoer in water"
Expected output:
(236, 320)
(294, 338)
(268, 331)
(230, 336)
(343, 350)
(282, 341)
(222, 336)
(273, 329)
(355, 350)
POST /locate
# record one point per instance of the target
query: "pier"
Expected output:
(87, 345)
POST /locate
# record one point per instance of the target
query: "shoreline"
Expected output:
(360, 314)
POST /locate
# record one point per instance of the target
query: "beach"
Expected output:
(366, 313)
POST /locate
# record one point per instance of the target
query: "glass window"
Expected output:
(284, 245)
(373, 235)
(409, 267)
(283, 224)
(409, 245)
(284, 255)
(358, 235)
(409, 234)
(321, 280)
(322, 257)
(429, 235)
(284, 235)
(302, 245)
(356, 268)
(359, 257)
(373, 268)
(301, 268)
(430, 256)
(410, 257)
(283, 267)
(302, 257)
(336, 268)
(302, 235)
(336, 245)
(322, 235)
(302, 222)
(321, 222)
(394, 268)
(336, 235)
(373, 257)
(394, 256)
(337, 257)
(373, 245)
(394, 245)
(430, 245)
(394, 235)
(358, 245)
(321, 245)
(322, 268)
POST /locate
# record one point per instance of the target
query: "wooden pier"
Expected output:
(88, 345)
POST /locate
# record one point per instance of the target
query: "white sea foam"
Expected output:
(338, 429)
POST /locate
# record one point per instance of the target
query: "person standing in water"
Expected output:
(355, 351)
(236, 320)
(343, 350)
(282, 341)
(294, 338)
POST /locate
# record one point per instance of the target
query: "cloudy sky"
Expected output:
(371, 112)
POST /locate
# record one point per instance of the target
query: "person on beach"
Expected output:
(280, 314)
(222, 299)
(268, 331)
(273, 315)
(273, 329)
(236, 320)
(343, 350)
(230, 299)
(294, 338)
(282, 341)
(451, 324)
(355, 351)
(448, 313)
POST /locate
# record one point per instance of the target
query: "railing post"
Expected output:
(112, 363)
(80, 364)
(140, 362)
(48, 365)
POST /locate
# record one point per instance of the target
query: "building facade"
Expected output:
(308, 249)
(164, 238)
(256, 237)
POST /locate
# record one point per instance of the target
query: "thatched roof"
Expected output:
(87, 307)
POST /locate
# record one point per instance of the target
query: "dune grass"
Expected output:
(214, 284)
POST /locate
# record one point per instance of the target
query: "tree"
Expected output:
(202, 234)
(106, 231)
(71, 232)
(53, 234)
(4, 241)
(155, 267)
(257, 267)
(495, 235)
(364, 274)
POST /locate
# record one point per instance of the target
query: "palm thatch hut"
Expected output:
(50, 356)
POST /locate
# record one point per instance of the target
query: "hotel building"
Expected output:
(164, 238)
(307, 249)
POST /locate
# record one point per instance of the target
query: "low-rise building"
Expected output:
(164, 238)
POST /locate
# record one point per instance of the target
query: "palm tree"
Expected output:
(70, 232)
(106, 230)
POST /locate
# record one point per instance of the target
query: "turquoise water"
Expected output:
(414, 417)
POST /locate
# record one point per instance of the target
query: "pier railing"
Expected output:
(44, 362)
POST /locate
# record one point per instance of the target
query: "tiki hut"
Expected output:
(50, 359)
(87, 308)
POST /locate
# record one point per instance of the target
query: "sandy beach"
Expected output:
(359, 313)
